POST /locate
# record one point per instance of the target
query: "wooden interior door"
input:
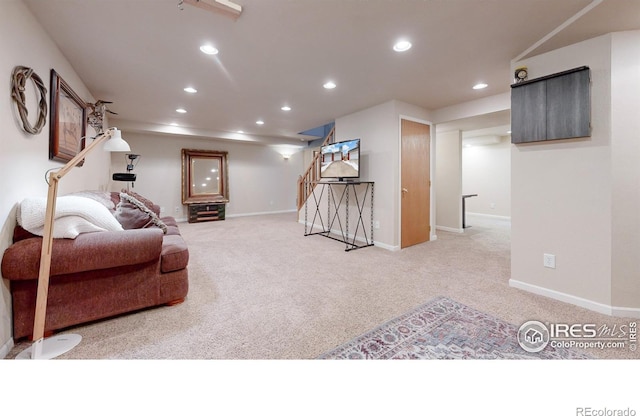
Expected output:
(415, 183)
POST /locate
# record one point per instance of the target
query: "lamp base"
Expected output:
(46, 349)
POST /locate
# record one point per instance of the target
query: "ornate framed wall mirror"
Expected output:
(205, 176)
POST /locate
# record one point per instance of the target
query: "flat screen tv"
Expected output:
(340, 160)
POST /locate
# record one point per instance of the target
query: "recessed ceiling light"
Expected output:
(209, 50)
(329, 85)
(173, 124)
(260, 122)
(480, 86)
(286, 108)
(240, 132)
(181, 110)
(402, 45)
(191, 90)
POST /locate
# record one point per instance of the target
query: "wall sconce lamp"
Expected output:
(59, 344)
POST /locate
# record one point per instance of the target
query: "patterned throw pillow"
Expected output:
(147, 203)
(133, 214)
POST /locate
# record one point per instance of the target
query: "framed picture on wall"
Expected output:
(68, 124)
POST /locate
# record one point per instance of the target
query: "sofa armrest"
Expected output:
(88, 251)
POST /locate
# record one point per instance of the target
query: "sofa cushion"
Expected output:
(20, 233)
(172, 225)
(88, 252)
(175, 255)
(133, 214)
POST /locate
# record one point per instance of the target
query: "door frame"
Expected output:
(432, 150)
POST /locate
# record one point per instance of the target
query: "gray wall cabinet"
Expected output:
(553, 107)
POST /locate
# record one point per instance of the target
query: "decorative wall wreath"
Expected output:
(19, 79)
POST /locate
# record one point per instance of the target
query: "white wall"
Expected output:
(561, 191)
(448, 200)
(260, 179)
(448, 181)
(24, 157)
(487, 105)
(486, 171)
(578, 199)
(625, 128)
(379, 129)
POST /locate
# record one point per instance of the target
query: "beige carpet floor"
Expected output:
(260, 289)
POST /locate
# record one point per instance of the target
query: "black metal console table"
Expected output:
(337, 195)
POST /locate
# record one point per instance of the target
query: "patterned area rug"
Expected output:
(444, 329)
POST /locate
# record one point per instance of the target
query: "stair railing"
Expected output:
(308, 181)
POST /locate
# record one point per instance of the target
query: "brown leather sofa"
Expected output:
(98, 274)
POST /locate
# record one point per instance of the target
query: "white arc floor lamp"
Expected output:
(57, 345)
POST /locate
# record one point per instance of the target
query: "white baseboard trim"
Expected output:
(386, 246)
(495, 217)
(618, 311)
(449, 229)
(310, 227)
(6, 348)
(251, 214)
(624, 312)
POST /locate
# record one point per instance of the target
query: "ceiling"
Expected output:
(140, 54)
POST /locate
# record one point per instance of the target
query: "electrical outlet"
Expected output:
(177, 210)
(492, 205)
(376, 224)
(163, 210)
(549, 261)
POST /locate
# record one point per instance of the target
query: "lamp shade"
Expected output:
(116, 143)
